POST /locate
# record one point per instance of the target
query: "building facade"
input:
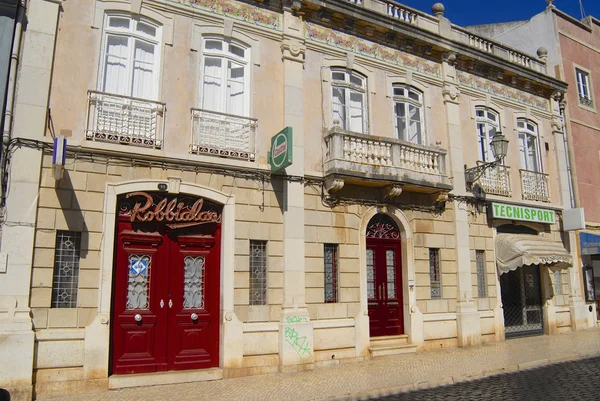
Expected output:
(573, 56)
(166, 242)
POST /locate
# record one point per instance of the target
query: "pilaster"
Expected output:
(295, 329)
(33, 72)
(467, 315)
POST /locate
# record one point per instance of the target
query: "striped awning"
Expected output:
(514, 250)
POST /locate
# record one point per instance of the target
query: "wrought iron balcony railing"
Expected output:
(125, 120)
(365, 157)
(495, 180)
(222, 134)
(586, 101)
(534, 186)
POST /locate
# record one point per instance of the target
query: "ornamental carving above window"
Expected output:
(382, 226)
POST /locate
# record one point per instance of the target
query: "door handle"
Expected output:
(138, 317)
(162, 304)
(170, 303)
(194, 317)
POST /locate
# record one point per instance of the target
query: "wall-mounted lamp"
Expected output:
(499, 147)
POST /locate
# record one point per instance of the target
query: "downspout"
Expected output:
(569, 156)
(10, 97)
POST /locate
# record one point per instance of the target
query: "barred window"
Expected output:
(258, 272)
(434, 273)
(66, 269)
(557, 283)
(331, 273)
(481, 281)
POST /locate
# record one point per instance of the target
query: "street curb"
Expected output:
(407, 388)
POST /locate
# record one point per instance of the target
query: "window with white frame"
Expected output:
(488, 123)
(349, 100)
(528, 145)
(224, 84)
(408, 113)
(584, 90)
(130, 57)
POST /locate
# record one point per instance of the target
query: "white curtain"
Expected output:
(414, 132)
(143, 71)
(116, 65)
(211, 91)
(401, 120)
(528, 152)
(339, 107)
(235, 89)
(356, 110)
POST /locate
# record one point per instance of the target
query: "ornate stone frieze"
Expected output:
(502, 91)
(370, 49)
(293, 49)
(450, 93)
(238, 11)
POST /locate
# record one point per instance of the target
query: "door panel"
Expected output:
(194, 319)
(139, 323)
(384, 287)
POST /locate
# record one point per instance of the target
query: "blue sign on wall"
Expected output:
(590, 243)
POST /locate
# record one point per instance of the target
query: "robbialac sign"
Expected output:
(280, 155)
(523, 213)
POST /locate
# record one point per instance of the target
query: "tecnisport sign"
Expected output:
(280, 155)
(522, 213)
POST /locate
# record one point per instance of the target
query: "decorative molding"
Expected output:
(557, 124)
(392, 191)
(334, 184)
(293, 50)
(369, 49)
(238, 11)
(439, 197)
(502, 91)
(450, 93)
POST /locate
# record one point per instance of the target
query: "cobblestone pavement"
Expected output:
(576, 380)
(380, 377)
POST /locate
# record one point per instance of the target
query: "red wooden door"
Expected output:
(193, 336)
(384, 281)
(166, 301)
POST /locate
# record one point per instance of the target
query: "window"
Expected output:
(434, 273)
(408, 112)
(557, 283)
(66, 269)
(488, 123)
(481, 281)
(258, 272)
(349, 94)
(331, 273)
(528, 145)
(130, 57)
(584, 89)
(224, 77)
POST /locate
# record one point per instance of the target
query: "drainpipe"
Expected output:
(569, 156)
(10, 95)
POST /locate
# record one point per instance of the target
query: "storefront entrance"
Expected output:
(166, 284)
(384, 277)
(522, 301)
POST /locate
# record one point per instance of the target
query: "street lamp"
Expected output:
(499, 147)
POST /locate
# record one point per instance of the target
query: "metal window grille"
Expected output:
(258, 272)
(481, 281)
(66, 269)
(557, 283)
(331, 273)
(434, 273)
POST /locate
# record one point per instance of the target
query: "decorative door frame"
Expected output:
(413, 319)
(97, 334)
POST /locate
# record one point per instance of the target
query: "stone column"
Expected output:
(34, 64)
(295, 329)
(467, 315)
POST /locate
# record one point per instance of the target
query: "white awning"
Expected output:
(514, 250)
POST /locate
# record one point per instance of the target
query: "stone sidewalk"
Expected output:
(388, 375)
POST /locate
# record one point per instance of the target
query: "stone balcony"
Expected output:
(367, 160)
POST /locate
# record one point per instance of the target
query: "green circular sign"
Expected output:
(279, 150)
